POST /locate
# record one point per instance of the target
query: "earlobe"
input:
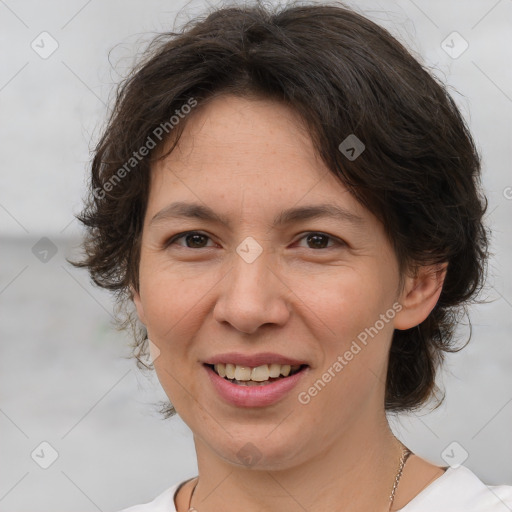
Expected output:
(138, 304)
(420, 295)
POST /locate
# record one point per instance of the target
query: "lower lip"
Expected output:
(253, 396)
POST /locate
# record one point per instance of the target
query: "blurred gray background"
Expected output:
(64, 376)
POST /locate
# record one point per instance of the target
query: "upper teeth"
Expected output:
(258, 373)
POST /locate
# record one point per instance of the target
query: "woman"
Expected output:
(292, 204)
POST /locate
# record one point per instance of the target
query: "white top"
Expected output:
(457, 490)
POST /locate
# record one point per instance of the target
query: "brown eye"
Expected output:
(193, 240)
(320, 240)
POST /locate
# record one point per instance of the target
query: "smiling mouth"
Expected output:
(255, 376)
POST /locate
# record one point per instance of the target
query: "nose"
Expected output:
(252, 295)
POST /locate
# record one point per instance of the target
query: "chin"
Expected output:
(262, 453)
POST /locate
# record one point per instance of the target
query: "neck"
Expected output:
(354, 473)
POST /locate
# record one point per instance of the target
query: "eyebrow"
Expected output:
(289, 216)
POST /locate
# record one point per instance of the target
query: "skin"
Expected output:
(248, 159)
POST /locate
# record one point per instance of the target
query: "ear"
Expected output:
(419, 295)
(138, 304)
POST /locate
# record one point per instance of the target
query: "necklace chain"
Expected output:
(405, 454)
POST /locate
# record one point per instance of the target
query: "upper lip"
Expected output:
(253, 360)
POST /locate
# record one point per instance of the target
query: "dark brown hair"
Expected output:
(419, 172)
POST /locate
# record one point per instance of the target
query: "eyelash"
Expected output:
(183, 235)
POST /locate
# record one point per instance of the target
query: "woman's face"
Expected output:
(304, 288)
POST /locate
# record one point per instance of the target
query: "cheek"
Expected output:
(166, 294)
(172, 307)
(354, 341)
(346, 303)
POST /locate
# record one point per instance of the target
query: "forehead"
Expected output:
(229, 127)
(255, 152)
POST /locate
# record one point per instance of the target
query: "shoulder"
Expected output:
(164, 502)
(460, 490)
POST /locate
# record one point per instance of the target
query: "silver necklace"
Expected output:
(405, 454)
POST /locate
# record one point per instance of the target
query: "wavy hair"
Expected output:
(343, 74)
